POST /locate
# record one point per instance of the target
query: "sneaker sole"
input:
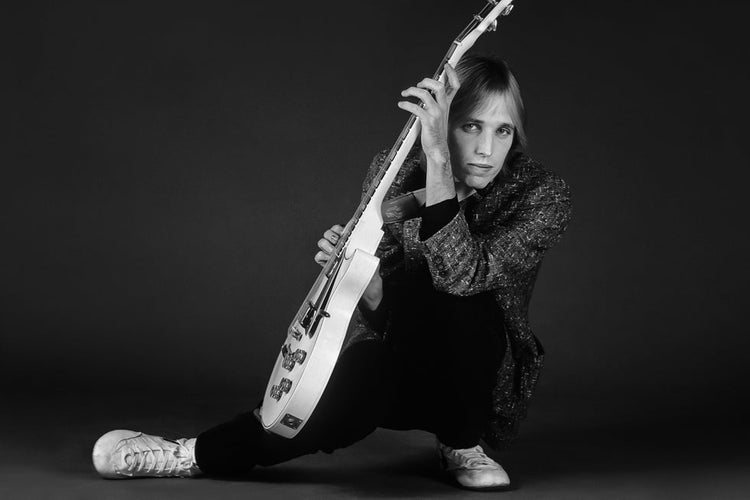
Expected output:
(502, 487)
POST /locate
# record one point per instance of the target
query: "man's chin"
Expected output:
(477, 183)
(474, 183)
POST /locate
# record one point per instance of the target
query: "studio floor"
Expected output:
(569, 450)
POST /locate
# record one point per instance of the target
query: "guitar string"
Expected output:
(333, 262)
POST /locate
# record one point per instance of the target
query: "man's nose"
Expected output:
(484, 145)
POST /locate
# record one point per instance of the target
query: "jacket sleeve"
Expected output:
(463, 263)
(390, 250)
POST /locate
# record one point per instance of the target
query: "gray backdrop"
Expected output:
(169, 168)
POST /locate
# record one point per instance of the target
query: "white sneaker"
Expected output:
(122, 454)
(472, 468)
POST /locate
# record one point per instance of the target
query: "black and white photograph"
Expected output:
(393, 249)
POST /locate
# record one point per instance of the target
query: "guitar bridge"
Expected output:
(308, 317)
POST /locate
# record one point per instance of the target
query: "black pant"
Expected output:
(435, 372)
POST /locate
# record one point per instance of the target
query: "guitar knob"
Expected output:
(299, 356)
(276, 392)
(288, 363)
(285, 384)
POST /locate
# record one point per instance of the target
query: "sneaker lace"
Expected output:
(471, 458)
(150, 457)
(476, 458)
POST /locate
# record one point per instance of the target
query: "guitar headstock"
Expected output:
(485, 20)
(493, 25)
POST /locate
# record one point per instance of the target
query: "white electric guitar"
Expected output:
(316, 334)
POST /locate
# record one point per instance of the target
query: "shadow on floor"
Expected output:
(562, 455)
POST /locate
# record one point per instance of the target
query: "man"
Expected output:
(447, 313)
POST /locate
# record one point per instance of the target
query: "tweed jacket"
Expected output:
(495, 243)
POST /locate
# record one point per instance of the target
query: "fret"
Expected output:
(491, 8)
(359, 241)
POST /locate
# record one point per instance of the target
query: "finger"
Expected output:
(420, 94)
(325, 245)
(453, 82)
(321, 258)
(414, 109)
(338, 229)
(438, 89)
(331, 236)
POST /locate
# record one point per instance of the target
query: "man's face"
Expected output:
(479, 144)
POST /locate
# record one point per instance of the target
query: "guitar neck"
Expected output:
(485, 20)
(319, 328)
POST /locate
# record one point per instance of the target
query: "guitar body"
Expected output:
(316, 334)
(306, 363)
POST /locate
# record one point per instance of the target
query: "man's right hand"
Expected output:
(373, 294)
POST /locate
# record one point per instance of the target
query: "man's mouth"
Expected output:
(485, 166)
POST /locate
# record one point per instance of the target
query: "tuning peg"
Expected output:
(507, 10)
(492, 26)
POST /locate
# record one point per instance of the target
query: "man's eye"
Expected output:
(470, 127)
(505, 131)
